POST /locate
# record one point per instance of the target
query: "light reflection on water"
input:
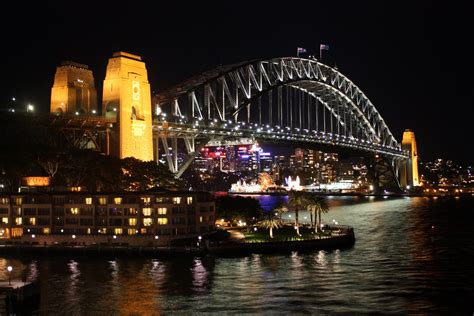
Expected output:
(399, 265)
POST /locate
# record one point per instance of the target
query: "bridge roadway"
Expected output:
(241, 130)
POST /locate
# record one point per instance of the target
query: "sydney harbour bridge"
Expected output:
(288, 100)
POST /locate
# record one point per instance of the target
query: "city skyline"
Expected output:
(396, 64)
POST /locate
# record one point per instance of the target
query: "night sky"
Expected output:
(411, 58)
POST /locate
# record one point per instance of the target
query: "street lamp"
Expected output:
(9, 269)
(30, 108)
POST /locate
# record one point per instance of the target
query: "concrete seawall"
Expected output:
(337, 242)
(345, 240)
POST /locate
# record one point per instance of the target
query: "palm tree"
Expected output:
(297, 199)
(280, 208)
(311, 207)
(321, 206)
(270, 224)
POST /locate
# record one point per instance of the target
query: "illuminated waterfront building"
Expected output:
(96, 217)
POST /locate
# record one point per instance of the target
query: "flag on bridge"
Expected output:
(321, 48)
(300, 50)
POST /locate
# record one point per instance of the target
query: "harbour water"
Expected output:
(411, 256)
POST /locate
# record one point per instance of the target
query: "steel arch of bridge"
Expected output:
(279, 99)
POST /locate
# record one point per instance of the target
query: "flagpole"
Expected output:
(320, 54)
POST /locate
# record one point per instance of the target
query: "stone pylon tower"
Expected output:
(409, 170)
(127, 97)
(73, 90)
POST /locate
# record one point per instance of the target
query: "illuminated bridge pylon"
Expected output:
(280, 99)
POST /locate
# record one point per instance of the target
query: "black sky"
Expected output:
(413, 59)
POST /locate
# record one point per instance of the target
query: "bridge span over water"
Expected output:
(283, 100)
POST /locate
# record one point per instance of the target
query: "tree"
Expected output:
(238, 207)
(318, 204)
(270, 223)
(322, 207)
(144, 175)
(297, 200)
(280, 208)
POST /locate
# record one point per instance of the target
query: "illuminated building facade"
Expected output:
(127, 97)
(92, 218)
(73, 91)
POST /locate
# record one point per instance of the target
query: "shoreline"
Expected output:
(342, 241)
(347, 194)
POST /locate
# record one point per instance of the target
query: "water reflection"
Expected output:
(399, 265)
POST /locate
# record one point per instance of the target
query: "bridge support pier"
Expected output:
(383, 172)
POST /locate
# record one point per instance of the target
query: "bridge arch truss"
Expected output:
(280, 99)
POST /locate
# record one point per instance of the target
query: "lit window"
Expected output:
(200, 219)
(159, 200)
(143, 230)
(4, 220)
(88, 200)
(177, 200)
(162, 210)
(18, 201)
(18, 221)
(118, 200)
(32, 221)
(131, 231)
(118, 231)
(46, 230)
(74, 210)
(147, 211)
(4, 201)
(162, 221)
(146, 200)
(189, 200)
(102, 201)
(147, 222)
(132, 221)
